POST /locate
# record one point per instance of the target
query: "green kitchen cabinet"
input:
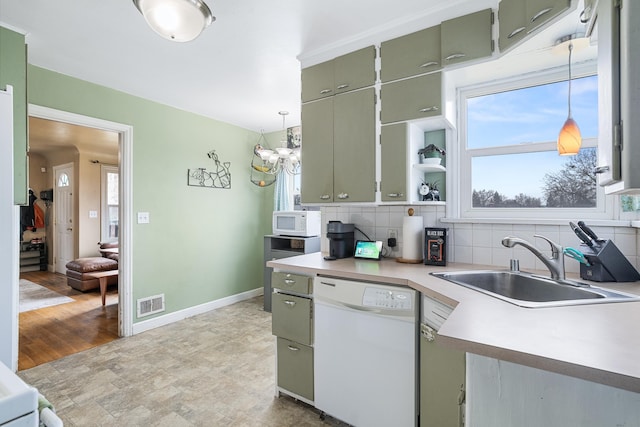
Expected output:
(317, 152)
(295, 368)
(414, 98)
(292, 324)
(467, 38)
(13, 72)
(393, 162)
(354, 138)
(291, 317)
(410, 55)
(345, 73)
(519, 19)
(338, 154)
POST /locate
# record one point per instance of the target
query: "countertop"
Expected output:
(596, 342)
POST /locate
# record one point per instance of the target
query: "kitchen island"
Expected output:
(599, 343)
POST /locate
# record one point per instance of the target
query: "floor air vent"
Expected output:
(150, 305)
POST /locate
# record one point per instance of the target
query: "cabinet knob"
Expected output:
(289, 281)
(428, 109)
(429, 64)
(325, 91)
(292, 348)
(455, 56)
(395, 195)
(343, 196)
(325, 197)
(290, 303)
(342, 86)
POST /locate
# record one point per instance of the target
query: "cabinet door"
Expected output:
(442, 375)
(467, 37)
(410, 55)
(354, 70)
(354, 147)
(295, 368)
(512, 22)
(393, 140)
(539, 12)
(317, 152)
(317, 81)
(413, 98)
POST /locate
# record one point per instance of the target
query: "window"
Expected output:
(63, 180)
(110, 204)
(508, 160)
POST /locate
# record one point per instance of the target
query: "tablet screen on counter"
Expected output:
(368, 250)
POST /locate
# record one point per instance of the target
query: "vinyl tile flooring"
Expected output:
(214, 369)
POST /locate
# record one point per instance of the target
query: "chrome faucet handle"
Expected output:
(556, 249)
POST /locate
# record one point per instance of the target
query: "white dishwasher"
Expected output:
(365, 367)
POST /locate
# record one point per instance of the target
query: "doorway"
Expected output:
(125, 141)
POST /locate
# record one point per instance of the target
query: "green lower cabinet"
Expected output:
(442, 383)
(291, 318)
(295, 368)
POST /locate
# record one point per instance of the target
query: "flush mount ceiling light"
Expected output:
(569, 139)
(176, 20)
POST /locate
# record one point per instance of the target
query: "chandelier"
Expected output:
(266, 163)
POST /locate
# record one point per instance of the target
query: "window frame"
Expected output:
(604, 205)
(105, 170)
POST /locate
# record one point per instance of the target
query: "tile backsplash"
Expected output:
(477, 243)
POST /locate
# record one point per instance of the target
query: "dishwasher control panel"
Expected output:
(388, 299)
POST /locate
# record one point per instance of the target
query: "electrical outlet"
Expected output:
(392, 233)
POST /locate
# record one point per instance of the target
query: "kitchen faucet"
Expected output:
(555, 264)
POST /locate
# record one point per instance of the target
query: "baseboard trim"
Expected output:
(176, 316)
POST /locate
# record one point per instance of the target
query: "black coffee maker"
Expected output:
(341, 240)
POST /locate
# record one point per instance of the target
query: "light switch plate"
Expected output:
(143, 217)
(93, 214)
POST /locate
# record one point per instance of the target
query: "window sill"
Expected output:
(528, 221)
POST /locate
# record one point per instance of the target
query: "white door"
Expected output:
(63, 221)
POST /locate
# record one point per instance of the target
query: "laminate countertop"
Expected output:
(595, 342)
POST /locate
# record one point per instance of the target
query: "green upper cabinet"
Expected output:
(348, 72)
(354, 139)
(467, 37)
(393, 161)
(338, 154)
(317, 152)
(410, 55)
(414, 98)
(518, 19)
(13, 72)
(512, 22)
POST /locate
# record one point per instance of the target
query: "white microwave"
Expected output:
(296, 223)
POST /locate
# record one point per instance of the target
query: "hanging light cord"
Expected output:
(569, 98)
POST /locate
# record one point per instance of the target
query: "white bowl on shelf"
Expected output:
(434, 161)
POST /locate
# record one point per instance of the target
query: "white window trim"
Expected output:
(461, 207)
(104, 226)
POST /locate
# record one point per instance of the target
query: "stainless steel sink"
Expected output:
(532, 291)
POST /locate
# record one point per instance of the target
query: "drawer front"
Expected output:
(295, 368)
(291, 282)
(291, 318)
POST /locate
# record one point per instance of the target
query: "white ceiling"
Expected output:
(242, 70)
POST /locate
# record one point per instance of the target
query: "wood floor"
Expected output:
(51, 333)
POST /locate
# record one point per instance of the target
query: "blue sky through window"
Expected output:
(533, 114)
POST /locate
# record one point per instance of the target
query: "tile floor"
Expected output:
(214, 369)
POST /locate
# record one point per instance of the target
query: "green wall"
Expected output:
(201, 244)
(13, 67)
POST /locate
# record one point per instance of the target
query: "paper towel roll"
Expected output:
(412, 228)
